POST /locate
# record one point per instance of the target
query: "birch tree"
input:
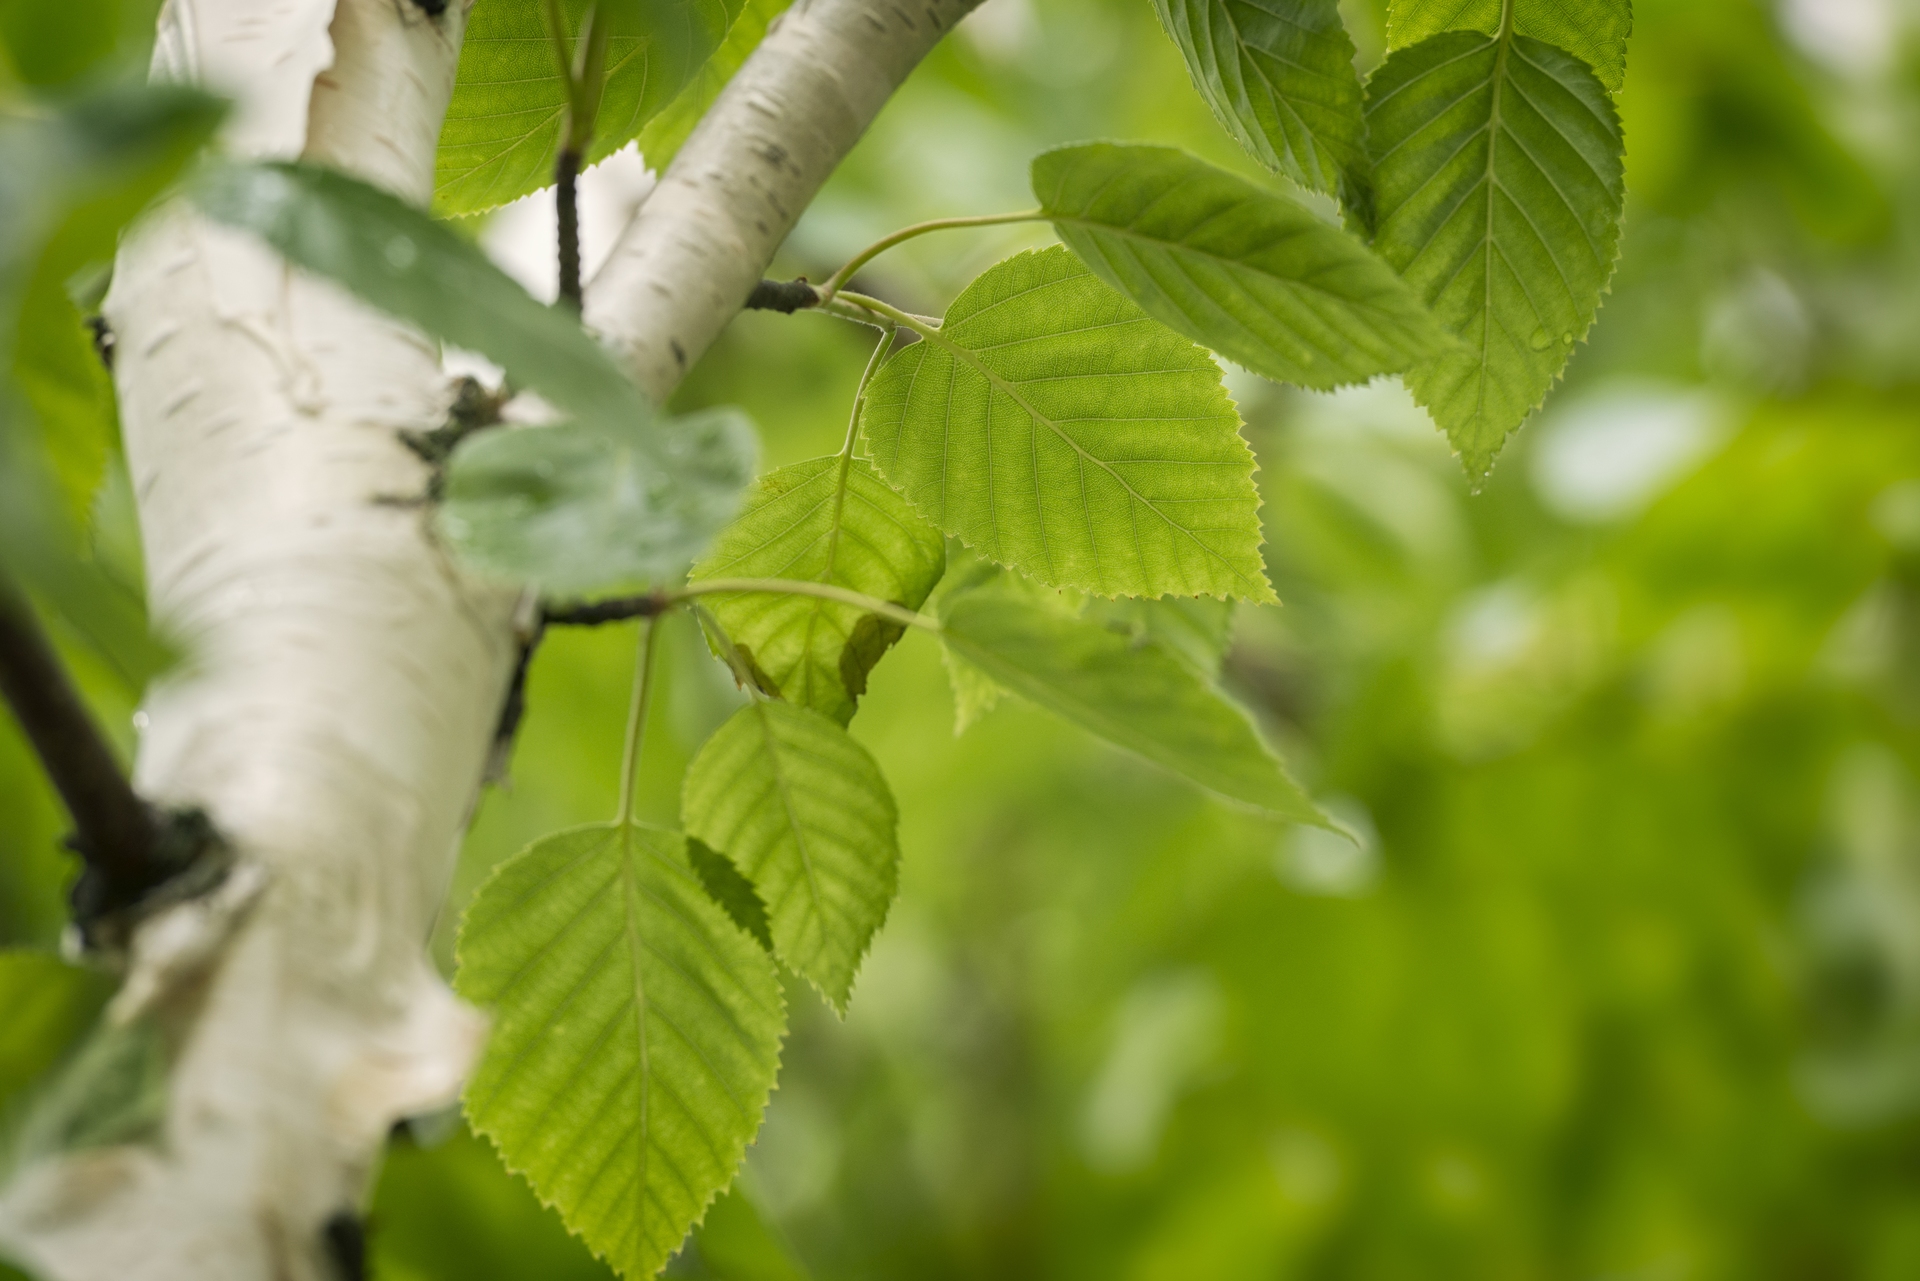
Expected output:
(355, 553)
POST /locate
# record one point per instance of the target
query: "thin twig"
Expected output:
(616, 609)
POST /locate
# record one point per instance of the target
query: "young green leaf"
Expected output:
(1499, 188)
(660, 140)
(1138, 696)
(1056, 427)
(804, 813)
(574, 509)
(1248, 272)
(636, 1035)
(1595, 31)
(502, 131)
(803, 522)
(1279, 75)
(402, 261)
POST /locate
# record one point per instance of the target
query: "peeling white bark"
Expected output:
(686, 263)
(339, 706)
(338, 711)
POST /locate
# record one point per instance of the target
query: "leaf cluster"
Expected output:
(1050, 479)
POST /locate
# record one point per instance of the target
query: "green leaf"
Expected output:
(1057, 428)
(502, 133)
(1197, 632)
(1248, 272)
(803, 812)
(1595, 31)
(46, 1006)
(70, 182)
(801, 522)
(403, 262)
(1499, 187)
(69, 391)
(52, 44)
(737, 1244)
(1138, 696)
(636, 1035)
(660, 141)
(1279, 75)
(574, 509)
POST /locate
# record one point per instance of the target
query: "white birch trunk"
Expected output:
(344, 683)
(337, 715)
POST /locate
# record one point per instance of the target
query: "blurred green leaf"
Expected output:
(1595, 31)
(1195, 630)
(803, 811)
(637, 1035)
(46, 1007)
(51, 44)
(1280, 78)
(1057, 428)
(502, 132)
(574, 509)
(403, 262)
(1249, 273)
(801, 522)
(69, 183)
(661, 139)
(449, 1211)
(1499, 189)
(737, 1244)
(1139, 697)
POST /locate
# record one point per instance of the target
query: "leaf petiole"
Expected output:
(878, 247)
(637, 719)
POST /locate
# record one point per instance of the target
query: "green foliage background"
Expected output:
(1626, 982)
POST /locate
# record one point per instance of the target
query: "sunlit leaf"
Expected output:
(404, 262)
(503, 127)
(1248, 272)
(636, 1035)
(801, 522)
(1057, 428)
(1279, 75)
(1140, 697)
(802, 810)
(574, 509)
(1499, 188)
(1595, 31)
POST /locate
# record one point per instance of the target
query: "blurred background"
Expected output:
(1623, 983)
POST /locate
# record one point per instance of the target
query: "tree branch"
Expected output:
(699, 244)
(115, 829)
